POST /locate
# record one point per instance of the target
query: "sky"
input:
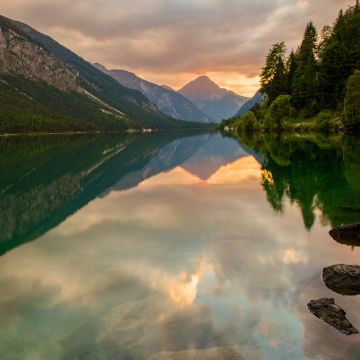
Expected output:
(173, 41)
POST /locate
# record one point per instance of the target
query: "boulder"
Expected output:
(343, 279)
(326, 310)
(347, 234)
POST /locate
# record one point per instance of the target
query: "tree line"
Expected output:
(323, 73)
(318, 84)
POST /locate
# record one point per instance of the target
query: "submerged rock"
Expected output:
(347, 234)
(343, 279)
(326, 310)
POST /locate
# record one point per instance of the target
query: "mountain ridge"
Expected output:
(167, 87)
(166, 99)
(256, 99)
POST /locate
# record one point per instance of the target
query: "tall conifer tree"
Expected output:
(273, 76)
(305, 79)
(291, 67)
(340, 57)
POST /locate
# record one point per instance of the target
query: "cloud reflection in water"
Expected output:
(175, 265)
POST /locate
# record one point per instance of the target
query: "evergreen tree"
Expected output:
(273, 76)
(352, 102)
(304, 89)
(340, 56)
(308, 45)
(291, 67)
(316, 75)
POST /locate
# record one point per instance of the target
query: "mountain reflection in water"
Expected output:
(173, 246)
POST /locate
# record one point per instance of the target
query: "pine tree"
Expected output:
(305, 79)
(273, 76)
(340, 56)
(352, 102)
(291, 67)
(308, 45)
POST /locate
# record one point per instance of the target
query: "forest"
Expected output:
(316, 87)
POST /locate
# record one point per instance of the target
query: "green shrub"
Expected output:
(280, 111)
(268, 121)
(323, 121)
(248, 122)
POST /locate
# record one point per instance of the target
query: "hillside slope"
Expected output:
(256, 99)
(28, 55)
(35, 106)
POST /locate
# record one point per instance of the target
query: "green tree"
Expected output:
(304, 89)
(332, 72)
(273, 75)
(291, 67)
(280, 111)
(339, 56)
(308, 45)
(248, 122)
(352, 102)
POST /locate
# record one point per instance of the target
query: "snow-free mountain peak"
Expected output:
(216, 102)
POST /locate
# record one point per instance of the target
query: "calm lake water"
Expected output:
(174, 246)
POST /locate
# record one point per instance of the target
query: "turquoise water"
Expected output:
(173, 246)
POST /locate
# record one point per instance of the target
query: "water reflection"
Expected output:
(156, 254)
(317, 173)
(45, 179)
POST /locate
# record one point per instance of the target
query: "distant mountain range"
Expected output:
(46, 87)
(167, 100)
(256, 99)
(216, 102)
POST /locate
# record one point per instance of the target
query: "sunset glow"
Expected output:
(172, 42)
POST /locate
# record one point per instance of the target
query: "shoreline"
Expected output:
(127, 132)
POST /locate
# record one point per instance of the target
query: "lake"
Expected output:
(174, 246)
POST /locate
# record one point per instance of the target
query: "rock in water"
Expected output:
(343, 279)
(326, 310)
(347, 234)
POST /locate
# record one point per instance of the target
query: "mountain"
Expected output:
(214, 101)
(46, 87)
(167, 87)
(256, 99)
(167, 100)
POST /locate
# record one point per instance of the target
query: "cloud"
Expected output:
(173, 40)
